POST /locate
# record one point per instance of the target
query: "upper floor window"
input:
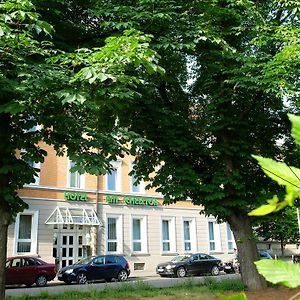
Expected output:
(113, 177)
(136, 186)
(33, 164)
(26, 228)
(230, 238)
(214, 236)
(75, 179)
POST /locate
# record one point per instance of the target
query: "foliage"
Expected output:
(278, 271)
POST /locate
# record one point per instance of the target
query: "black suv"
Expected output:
(96, 268)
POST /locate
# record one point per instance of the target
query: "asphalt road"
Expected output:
(155, 281)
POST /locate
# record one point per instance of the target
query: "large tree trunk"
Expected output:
(247, 249)
(4, 222)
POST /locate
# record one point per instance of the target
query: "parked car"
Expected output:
(28, 270)
(95, 268)
(264, 254)
(194, 264)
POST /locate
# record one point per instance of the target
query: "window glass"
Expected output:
(136, 228)
(212, 244)
(230, 239)
(74, 177)
(110, 259)
(99, 260)
(112, 234)
(136, 186)
(24, 234)
(112, 180)
(17, 262)
(166, 235)
(187, 235)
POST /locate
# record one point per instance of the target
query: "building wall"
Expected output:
(49, 194)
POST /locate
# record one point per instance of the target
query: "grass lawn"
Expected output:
(209, 290)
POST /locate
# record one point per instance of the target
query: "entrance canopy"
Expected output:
(73, 215)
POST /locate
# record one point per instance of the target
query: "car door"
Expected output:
(193, 264)
(206, 263)
(29, 269)
(96, 268)
(112, 266)
(13, 271)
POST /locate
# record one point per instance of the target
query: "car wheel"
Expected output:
(41, 280)
(122, 276)
(181, 272)
(215, 271)
(81, 278)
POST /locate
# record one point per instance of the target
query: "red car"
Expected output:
(29, 270)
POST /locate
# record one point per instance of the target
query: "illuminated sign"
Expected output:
(130, 200)
(74, 196)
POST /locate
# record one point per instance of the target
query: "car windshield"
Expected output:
(84, 260)
(180, 258)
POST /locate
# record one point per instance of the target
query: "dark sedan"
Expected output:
(194, 264)
(28, 270)
(95, 268)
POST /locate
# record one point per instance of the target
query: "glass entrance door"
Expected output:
(67, 249)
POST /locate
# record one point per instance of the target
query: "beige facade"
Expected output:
(60, 222)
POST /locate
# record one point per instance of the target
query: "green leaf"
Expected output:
(295, 120)
(263, 210)
(277, 271)
(12, 108)
(280, 172)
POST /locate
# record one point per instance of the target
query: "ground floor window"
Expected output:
(189, 235)
(214, 236)
(26, 228)
(230, 238)
(114, 234)
(139, 234)
(168, 235)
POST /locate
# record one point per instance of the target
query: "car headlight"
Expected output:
(69, 271)
(169, 267)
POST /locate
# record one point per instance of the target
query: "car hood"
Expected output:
(71, 267)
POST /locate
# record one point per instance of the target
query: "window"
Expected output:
(189, 235)
(168, 235)
(230, 238)
(136, 187)
(35, 165)
(75, 179)
(214, 236)
(26, 227)
(114, 234)
(113, 177)
(139, 234)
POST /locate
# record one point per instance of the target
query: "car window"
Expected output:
(110, 259)
(195, 257)
(203, 257)
(99, 260)
(7, 264)
(30, 262)
(179, 258)
(16, 262)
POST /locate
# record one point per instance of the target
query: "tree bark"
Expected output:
(4, 222)
(247, 249)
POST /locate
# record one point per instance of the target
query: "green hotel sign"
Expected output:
(132, 200)
(74, 196)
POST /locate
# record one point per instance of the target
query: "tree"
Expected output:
(64, 93)
(229, 67)
(282, 227)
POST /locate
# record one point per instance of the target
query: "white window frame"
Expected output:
(193, 235)
(217, 236)
(117, 166)
(140, 187)
(144, 235)
(172, 234)
(230, 240)
(119, 233)
(34, 232)
(81, 177)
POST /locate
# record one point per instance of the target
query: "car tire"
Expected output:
(81, 278)
(41, 280)
(181, 272)
(122, 276)
(215, 270)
